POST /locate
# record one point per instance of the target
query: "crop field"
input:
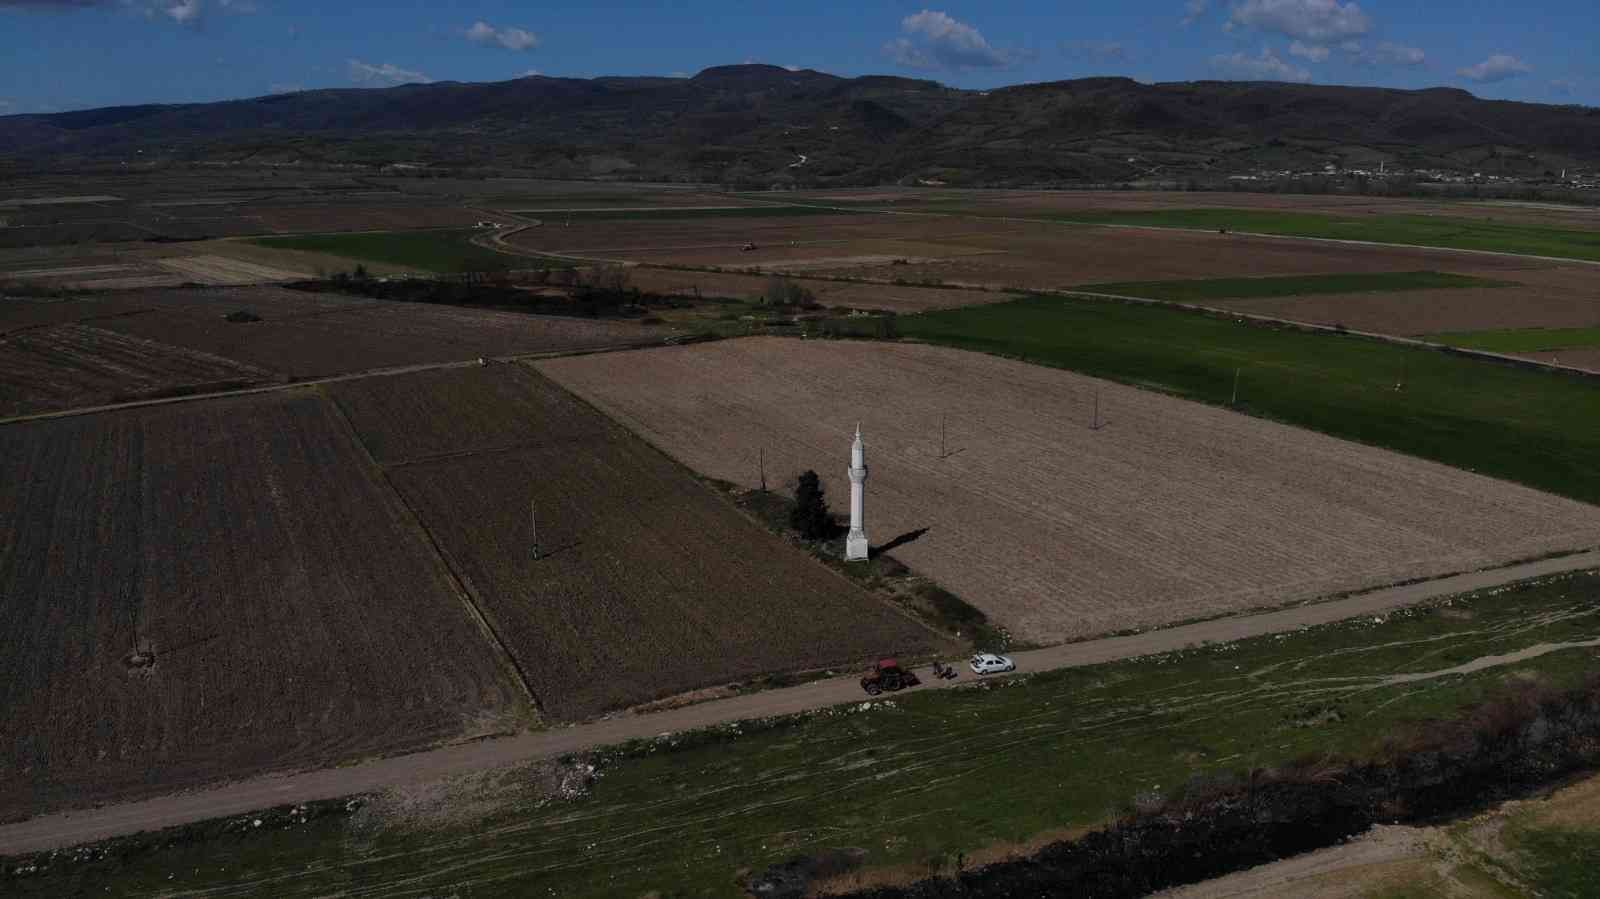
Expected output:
(1537, 428)
(1544, 296)
(1429, 231)
(363, 217)
(1068, 202)
(65, 366)
(442, 252)
(208, 590)
(657, 213)
(917, 782)
(308, 335)
(993, 253)
(648, 584)
(1524, 340)
(126, 345)
(1169, 511)
(901, 298)
(1210, 289)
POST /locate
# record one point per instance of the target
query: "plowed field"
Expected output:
(1169, 511)
(63, 366)
(648, 585)
(285, 610)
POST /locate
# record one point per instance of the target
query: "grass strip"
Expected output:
(1538, 428)
(915, 782)
(1200, 290)
(1522, 340)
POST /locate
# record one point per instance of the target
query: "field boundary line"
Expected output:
(62, 829)
(506, 660)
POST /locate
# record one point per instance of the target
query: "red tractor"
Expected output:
(888, 676)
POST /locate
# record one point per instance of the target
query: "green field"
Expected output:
(681, 212)
(1535, 427)
(914, 780)
(1522, 340)
(1200, 290)
(1451, 232)
(442, 252)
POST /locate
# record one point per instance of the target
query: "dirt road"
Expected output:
(71, 828)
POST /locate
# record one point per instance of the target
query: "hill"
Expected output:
(752, 124)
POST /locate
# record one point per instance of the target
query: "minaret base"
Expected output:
(855, 547)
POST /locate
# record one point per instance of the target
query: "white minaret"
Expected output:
(855, 546)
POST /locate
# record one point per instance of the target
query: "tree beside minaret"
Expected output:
(856, 547)
(810, 515)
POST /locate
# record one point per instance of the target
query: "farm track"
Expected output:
(71, 828)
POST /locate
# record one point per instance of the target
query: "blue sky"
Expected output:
(72, 54)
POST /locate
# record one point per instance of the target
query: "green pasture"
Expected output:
(1538, 428)
(1522, 340)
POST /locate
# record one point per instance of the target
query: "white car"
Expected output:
(989, 663)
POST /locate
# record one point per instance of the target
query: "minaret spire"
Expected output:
(855, 547)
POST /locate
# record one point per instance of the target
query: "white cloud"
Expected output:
(531, 73)
(1193, 10)
(1563, 86)
(1314, 21)
(285, 88)
(386, 74)
(507, 38)
(1266, 67)
(1399, 55)
(1096, 51)
(1312, 52)
(792, 68)
(938, 41)
(1498, 67)
(5, 105)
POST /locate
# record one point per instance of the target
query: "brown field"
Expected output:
(1548, 296)
(988, 253)
(890, 297)
(65, 366)
(1169, 512)
(294, 614)
(650, 585)
(153, 341)
(208, 269)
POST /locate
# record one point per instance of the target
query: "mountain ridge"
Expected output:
(748, 124)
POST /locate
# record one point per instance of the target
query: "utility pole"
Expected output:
(1235, 400)
(1095, 425)
(533, 519)
(942, 453)
(761, 467)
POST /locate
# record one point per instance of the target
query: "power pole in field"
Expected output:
(761, 467)
(1095, 425)
(942, 452)
(1235, 400)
